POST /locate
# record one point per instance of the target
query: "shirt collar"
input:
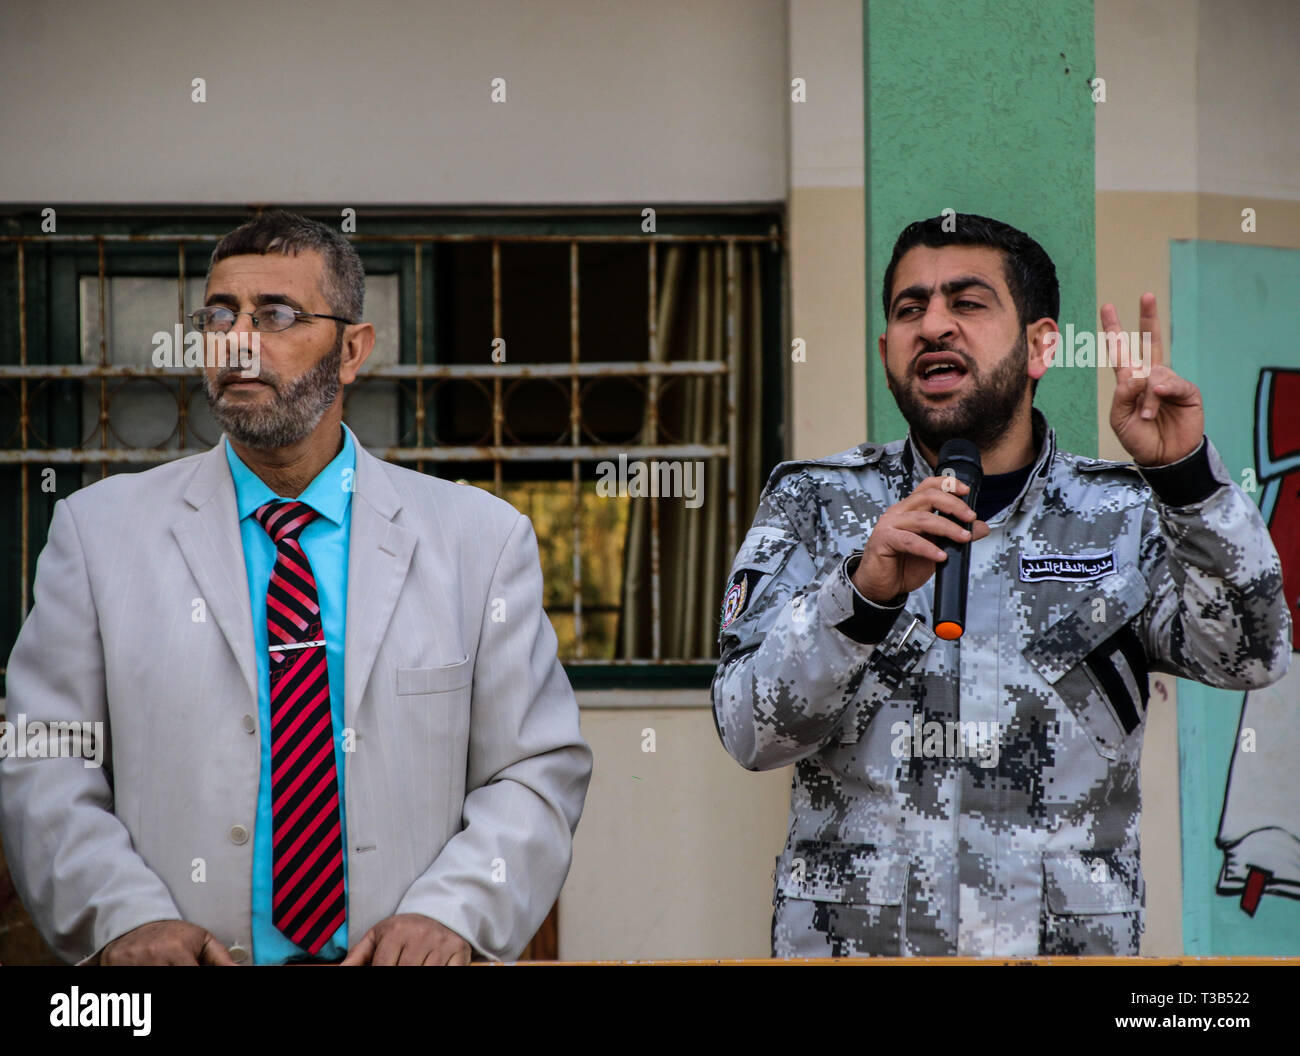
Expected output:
(329, 493)
(1044, 444)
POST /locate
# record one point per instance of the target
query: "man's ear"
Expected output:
(1044, 340)
(881, 344)
(358, 343)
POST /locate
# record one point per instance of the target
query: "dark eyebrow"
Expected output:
(261, 299)
(278, 298)
(922, 293)
(965, 283)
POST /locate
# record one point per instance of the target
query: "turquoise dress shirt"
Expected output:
(325, 542)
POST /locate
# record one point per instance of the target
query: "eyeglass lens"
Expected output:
(268, 318)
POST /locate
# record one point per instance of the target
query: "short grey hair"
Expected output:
(278, 231)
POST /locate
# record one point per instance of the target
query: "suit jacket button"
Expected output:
(249, 724)
(238, 954)
(238, 834)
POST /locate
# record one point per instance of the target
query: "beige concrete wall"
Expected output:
(827, 229)
(675, 851)
(828, 312)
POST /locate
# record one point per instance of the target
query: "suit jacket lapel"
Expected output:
(379, 554)
(208, 535)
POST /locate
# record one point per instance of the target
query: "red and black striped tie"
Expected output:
(306, 831)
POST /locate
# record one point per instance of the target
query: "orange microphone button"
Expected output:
(948, 630)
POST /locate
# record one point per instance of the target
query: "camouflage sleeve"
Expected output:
(1216, 612)
(788, 677)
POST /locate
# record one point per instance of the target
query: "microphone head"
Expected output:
(961, 459)
(959, 449)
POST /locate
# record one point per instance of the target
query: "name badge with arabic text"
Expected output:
(1067, 567)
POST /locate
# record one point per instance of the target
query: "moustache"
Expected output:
(226, 377)
(943, 346)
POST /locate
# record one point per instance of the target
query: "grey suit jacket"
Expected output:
(468, 772)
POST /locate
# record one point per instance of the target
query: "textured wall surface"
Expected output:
(391, 102)
(987, 110)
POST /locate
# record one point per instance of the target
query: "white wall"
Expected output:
(1201, 95)
(389, 102)
(1248, 94)
(1146, 128)
(826, 131)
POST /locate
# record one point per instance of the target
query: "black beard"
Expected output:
(296, 409)
(981, 417)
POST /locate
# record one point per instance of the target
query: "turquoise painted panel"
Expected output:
(1235, 316)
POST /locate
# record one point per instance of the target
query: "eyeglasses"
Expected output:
(267, 318)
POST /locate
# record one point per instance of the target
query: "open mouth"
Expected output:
(940, 371)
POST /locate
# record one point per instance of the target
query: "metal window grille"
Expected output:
(34, 451)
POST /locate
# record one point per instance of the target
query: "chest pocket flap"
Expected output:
(1094, 659)
(1099, 614)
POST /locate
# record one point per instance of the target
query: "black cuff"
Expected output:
(1185, 482)
(870, 622)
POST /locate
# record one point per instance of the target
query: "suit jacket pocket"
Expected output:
(433, 679)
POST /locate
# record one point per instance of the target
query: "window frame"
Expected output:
(48, 323)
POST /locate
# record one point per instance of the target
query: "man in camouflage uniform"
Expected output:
(980, 797)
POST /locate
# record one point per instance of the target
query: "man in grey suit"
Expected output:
(337, 728)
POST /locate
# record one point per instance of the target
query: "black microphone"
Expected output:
(961, 459)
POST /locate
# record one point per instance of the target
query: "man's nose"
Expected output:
(243, 323)
(937, 322)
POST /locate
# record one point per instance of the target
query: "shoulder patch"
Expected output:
(739, 593)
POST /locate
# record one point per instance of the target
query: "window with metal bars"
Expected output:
(530, 354)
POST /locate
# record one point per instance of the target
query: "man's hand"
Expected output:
(166, 942)
(409, 938)
(1159, 418)
(898, 558)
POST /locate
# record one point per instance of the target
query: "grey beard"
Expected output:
(980, 417)
(295, 409)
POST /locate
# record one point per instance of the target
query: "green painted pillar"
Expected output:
(985, 107)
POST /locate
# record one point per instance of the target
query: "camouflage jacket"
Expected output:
(980, 797)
